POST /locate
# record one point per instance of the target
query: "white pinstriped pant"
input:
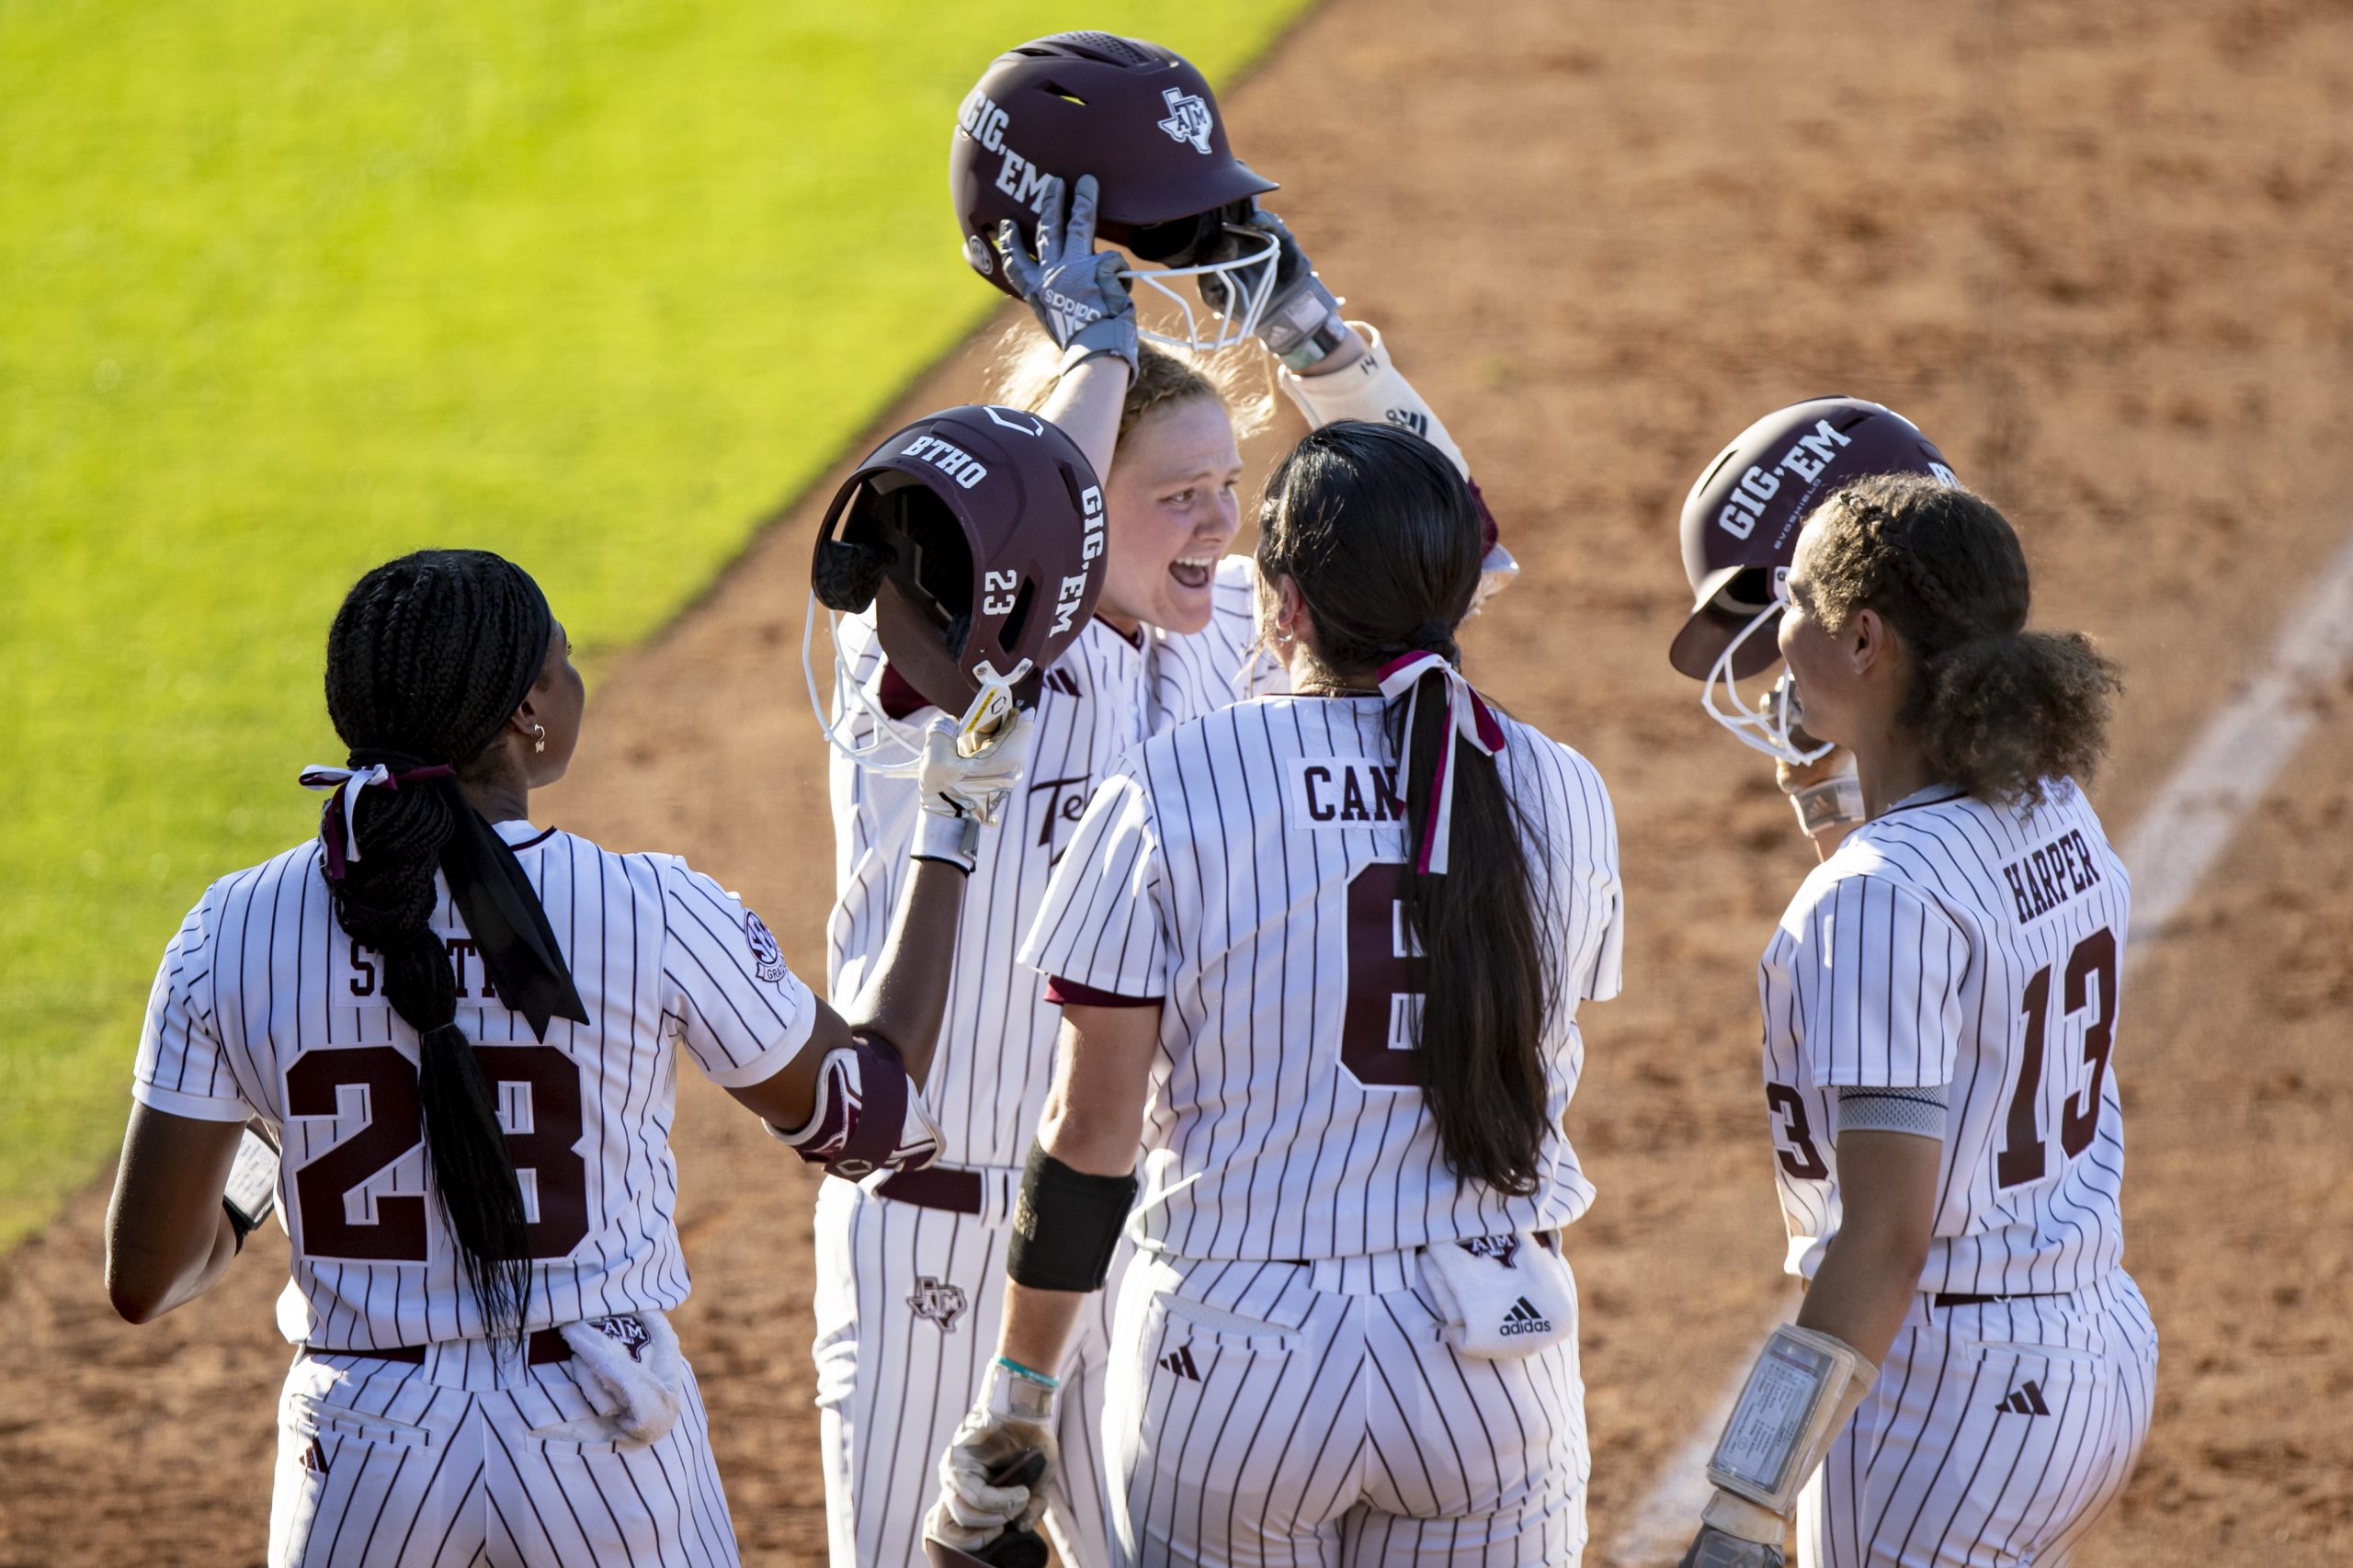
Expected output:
(1312, 1414)
(1997, 1434)
(382, 1465)
(908, 1304)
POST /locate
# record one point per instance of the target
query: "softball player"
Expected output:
(463, 1030)
(1324, 952)
(911, 1270)
(1969, 1379)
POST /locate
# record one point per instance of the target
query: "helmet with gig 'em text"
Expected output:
(1143, 122)
(976, 536)
(1740, 527)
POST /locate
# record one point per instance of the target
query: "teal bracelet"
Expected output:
(1019, 1370)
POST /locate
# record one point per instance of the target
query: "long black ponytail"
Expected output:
(1383, 540)
(427, 657)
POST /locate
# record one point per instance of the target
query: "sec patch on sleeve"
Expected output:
(767, 959)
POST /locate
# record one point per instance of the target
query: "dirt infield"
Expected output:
(2105, 258)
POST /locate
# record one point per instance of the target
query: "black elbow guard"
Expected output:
(1066, 1225)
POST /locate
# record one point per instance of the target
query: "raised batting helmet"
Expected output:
(1740, 527)
(1143, 121)
(976, 534)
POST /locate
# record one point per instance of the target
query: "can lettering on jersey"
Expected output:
(1248, 868)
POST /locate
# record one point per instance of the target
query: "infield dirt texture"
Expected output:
(2104, 256)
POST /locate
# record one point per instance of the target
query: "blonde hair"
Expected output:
(1027, 367)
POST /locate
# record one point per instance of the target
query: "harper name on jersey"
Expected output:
(265, 1006)
(1951, 942)
(1247, 869)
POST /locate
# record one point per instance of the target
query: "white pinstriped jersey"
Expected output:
(1953, 942)
(1247, 869)
(1103, 696)
(263, 1006)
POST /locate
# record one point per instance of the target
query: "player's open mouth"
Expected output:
(1193, 571)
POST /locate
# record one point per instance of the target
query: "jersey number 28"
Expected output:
(553, 1169)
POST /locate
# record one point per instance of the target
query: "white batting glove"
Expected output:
(1300, 322)
(960, 794)
(1012, 1418)
(1076, 291)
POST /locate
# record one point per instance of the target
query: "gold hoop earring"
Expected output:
(539, 737)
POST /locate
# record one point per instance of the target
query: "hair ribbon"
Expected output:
(346, 783)
(1468, 717)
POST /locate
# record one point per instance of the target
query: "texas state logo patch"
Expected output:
(767, 959)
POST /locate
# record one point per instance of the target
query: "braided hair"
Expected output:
(426, 659)
(1999, 711)
(1382, 538)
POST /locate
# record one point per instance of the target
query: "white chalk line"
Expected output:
(2173, 843)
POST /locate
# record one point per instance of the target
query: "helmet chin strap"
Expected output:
(1250, 279)
(895, 749)
(1769, 726)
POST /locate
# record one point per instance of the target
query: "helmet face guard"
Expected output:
(975, 538)
(1143, 122)
(1246, 281)
(1771, 724)
(1740, 527)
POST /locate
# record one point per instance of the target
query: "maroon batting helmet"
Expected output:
(1741, 520)
(976, 533)
(1137, 116)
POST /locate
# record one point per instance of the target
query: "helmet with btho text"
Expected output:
(976, 536)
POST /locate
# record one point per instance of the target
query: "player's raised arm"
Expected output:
(846, 1100)
(1083, 303)
(1331, 370)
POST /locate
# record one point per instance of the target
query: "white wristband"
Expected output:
(1834, 803)
(1371, 389)
(956, 840)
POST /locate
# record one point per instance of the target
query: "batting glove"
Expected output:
(1077, 292)
(1712, 1548)
(961, 793)
(1301, 321)
(1009, 1431)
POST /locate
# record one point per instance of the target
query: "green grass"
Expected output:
(286, 289)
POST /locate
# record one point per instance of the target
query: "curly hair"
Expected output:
(1028, 366)
(1998, 710)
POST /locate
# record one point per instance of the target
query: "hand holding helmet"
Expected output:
(1298, 320)
(1143, 122)
(1079, 294)
(974, 540)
